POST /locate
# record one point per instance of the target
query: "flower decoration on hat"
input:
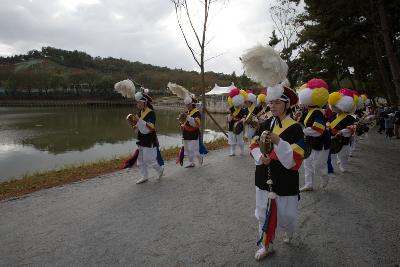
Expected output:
(358, 100)
(251, 97)
(236, 97)
(356, 97)
(343, 100)
(243, 94)
(314, 93)
(261, 98)
(365, 99)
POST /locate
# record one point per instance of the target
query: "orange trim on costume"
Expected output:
(253, 146)
(189, 128)
(298, 159)
(150, 126)
(273, 155)
(318, 129)
(350, 128)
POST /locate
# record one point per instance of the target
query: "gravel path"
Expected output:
(205, 217)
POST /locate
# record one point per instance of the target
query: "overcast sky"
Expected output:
(137, 30)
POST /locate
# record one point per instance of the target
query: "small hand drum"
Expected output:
(254, 123)
(265, 143)
(307, 147)
(238, 127)
(130, 120)
(182, 117)
(336, 144)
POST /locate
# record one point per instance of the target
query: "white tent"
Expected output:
(218, 90)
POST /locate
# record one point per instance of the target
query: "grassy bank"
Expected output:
(69, 174)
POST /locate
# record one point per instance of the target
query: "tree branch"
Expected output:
(190, 21)
(176, 3)
(213, 57)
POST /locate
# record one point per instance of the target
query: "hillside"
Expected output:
(57, 72)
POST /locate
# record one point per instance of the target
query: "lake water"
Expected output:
(40, 139)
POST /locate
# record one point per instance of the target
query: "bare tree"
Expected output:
(200, 42)
(284, 16)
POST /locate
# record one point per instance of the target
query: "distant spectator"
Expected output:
(397, 124)
(381, 119)
(389, 124)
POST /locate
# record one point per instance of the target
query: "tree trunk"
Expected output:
(393, 62)
(203, 100)
(390, 92)
(203, 82)
(338, 81)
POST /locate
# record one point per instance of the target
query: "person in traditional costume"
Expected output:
(190, 122)
(327, 114)
(343, 103)
(147, 138)
(191, 132)
(251, 118)
(367, 113)
(359, 117)
(277, 150)
(148, 152)
(314, 96)
(264, 111)
(236, 117)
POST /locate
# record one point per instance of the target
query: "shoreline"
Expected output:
(30, 183)
(80, 102)
(92, 104)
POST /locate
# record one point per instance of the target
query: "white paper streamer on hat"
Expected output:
(264, 65)
(126, 88)
(181, 92)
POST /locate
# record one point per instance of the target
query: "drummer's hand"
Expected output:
(129, 117)
(265, 159)
(274, 138)
(135, 118)
(339, 133)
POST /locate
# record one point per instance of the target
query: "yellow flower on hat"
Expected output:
(334, 98)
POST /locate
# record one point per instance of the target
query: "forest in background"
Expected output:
(348, 43)
(56, 73)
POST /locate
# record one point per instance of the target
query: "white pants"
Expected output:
(191, 149)
(287, 209)
(250, 132)
(235, 139)
(353, 144)
(315, 166)
(343, 157)
(148, 158)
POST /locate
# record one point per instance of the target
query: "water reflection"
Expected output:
(37, 139)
